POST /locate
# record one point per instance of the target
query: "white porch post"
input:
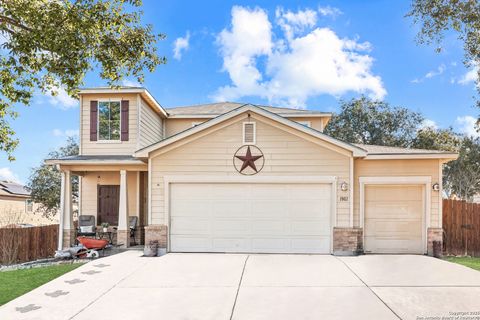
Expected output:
(65, 219)
(123, 234)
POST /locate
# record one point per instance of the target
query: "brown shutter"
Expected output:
(124, 125)
(93, 120)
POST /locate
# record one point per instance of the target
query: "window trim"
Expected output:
(27, 205)
(254, 142)
(119, 140)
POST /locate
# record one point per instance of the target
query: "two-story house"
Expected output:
(231, 177)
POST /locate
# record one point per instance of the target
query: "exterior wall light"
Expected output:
(344, 186)
(436, 187)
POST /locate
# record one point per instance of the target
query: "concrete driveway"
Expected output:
(240, 286)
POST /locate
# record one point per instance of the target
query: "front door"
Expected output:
(108, 203)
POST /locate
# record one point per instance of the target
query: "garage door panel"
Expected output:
(228, 209)
(394, 219)
(187, 225)
(283, 218)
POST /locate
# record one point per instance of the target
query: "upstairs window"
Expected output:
(109, 120)
(29, 205)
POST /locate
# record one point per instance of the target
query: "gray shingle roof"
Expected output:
(214, 109)
(14, 188)
(375, 149)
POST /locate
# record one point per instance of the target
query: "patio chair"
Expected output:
(132, 224)
(86, 226)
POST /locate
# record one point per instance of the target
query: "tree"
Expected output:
(51, 45)
(437, 17)
(45, 180)
(437, 139)
(462, 176)
(367, 121)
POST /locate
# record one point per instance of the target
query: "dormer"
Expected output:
(119, 121)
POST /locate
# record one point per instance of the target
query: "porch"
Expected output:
(110, 191)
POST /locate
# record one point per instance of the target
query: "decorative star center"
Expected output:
(249, 160)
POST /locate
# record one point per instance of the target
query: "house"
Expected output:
(17, 208)
(231, 177)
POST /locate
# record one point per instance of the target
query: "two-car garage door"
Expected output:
(260, 217)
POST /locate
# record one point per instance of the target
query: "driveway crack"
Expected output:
(238, 288)
(366, 285)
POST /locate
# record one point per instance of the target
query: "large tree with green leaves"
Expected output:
(462, 176)
(437, 139)
(48, 45)
(438, 17)
(45, 180)
(366, 121)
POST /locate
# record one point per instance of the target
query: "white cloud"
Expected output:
(62, 100)
(428, 123)
(441, 68)
(469, 77)
(329, 11)
(7, 174)
(130, 83)
(296, 67)
(431, 74)
(293, 23)
(65, 133)
(181, 44)
(468, 126)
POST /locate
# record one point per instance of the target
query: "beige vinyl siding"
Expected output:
(386, 168)
(151, 125)
(89, 199)
(315, 123)
(109, 147)
(287, 152)
(174, 126)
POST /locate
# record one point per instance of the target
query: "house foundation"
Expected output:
(347, 241)
(156, 233)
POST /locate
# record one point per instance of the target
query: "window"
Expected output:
(29, 205)
(109, 120)
(249, 133)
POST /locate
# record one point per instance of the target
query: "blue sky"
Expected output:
(307, 54)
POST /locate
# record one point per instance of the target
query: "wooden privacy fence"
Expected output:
(461, 226)
(27, 244)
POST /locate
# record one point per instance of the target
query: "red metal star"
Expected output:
(248, 160)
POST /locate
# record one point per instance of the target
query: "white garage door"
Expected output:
(268, 218)
(394, 219)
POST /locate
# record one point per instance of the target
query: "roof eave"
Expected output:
(140, 90)
(400, 156)
(285, 115)
(356, 151)
(93, 162)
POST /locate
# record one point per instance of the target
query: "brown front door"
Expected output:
(108, 202)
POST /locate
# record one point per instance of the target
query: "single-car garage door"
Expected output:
(236, 217)
(394, 218)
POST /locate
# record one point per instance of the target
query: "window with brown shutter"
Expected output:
(93, 120)
(124, 117)
(249, 133)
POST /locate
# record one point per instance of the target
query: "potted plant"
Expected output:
(105, 226)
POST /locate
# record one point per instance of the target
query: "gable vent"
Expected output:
(249, 133)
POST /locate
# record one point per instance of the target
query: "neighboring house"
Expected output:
(17, 208)
(231, 177)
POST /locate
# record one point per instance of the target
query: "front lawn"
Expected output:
(17, 282)
(473, 263)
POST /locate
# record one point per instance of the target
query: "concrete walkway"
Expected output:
(240, 286)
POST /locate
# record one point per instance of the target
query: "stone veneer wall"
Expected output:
(347, 241)
(433, 234)
(156, 232)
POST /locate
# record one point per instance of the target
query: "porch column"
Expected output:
(66, 230)
(123, 234)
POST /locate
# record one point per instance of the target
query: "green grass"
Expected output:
(17, 282)
(473, 263)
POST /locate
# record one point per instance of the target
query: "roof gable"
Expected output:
(356, 151)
